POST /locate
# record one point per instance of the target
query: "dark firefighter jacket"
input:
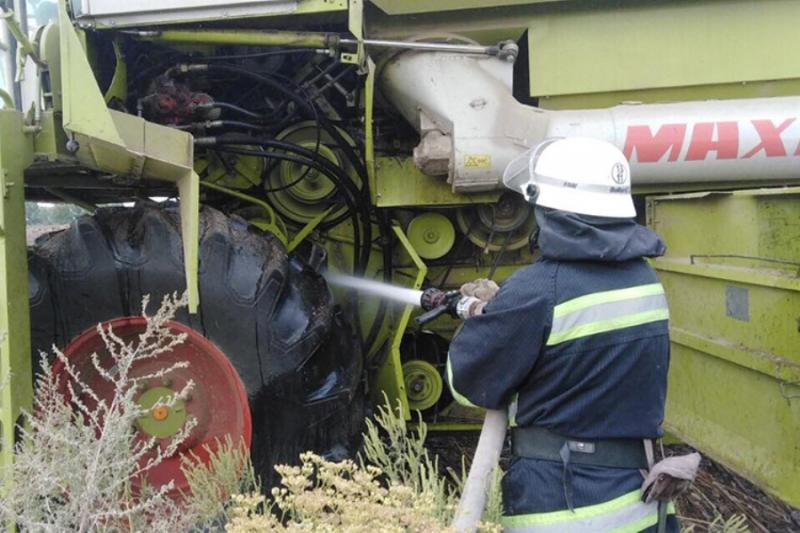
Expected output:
(576, 343)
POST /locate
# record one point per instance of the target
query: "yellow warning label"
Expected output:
(478, 161)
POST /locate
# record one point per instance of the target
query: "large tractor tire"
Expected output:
(268, 312)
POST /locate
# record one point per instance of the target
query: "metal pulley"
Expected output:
(423, 384)
(504, 225)
(424, 355)
(301, 194)
(432, 235)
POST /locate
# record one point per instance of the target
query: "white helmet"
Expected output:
(576, 174)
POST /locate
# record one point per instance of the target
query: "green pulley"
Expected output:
(503, 225)
(314, 187)
(423, 384)
(300, 194)
(432, 235)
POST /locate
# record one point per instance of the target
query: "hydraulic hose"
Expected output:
(346, 181)
(209, 124)
(351, 202)
(233, 107)
(333, 172)
(358, 164)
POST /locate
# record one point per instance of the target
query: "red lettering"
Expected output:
(726, 144)
(771, 141)
(651, 148)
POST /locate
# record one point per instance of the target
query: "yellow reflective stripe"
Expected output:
(456, 395)
(580, 513)
(607, 325)
(639, 525)
(644, 523)
(589, 300)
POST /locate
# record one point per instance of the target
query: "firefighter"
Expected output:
(576, 346)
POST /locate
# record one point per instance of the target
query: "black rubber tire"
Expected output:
(270, 313)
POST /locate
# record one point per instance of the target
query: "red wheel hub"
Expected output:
(217, 400)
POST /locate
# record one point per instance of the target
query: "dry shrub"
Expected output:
(320, 495)
(228, 470)
(76, 462)
(77, 459)
(396, 486)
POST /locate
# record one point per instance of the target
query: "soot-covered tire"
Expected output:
(269, 312)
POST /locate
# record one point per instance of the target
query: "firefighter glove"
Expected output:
(469, 306)
(670, 477)
(482, 289)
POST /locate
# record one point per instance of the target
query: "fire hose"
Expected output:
(435, 303)
(484, 462)
(493, 433)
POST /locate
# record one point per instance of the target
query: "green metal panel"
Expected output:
(83, 103)
(655, 44)
(398, 182)
(118, 87)
(49, 50)
(355, 25)
(761, 89)
(734, 295)
(50, 138)
(404, 7)
(390, 376)
(486, 26)
(16, 382)
(119, 143)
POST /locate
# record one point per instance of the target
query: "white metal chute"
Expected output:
(469, 100)
(705, 141)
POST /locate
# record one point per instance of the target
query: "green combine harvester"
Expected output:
(236, 150)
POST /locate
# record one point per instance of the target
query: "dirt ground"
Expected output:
(717, 492)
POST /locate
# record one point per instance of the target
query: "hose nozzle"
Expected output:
(436, 303)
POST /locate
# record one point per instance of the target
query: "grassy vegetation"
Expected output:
(394, 486)
(79, 460)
